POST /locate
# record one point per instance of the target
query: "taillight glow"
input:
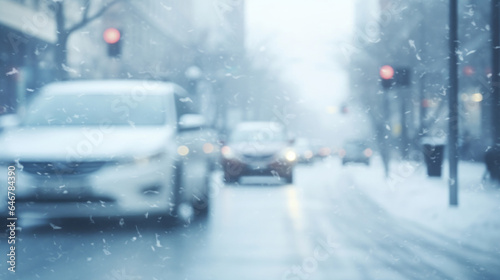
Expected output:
(325, 151)
(341, 153)
(208, 148)
(368, 152)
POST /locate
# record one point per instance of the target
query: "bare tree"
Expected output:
(63, 32)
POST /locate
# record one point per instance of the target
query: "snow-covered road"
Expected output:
(335, 222)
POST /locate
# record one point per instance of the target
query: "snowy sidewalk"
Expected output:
(411, 195)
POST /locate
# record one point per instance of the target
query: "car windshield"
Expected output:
(354, 146)
(257, 135)
(96, 109)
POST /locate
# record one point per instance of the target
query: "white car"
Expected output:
(108, 148)
(258, 149)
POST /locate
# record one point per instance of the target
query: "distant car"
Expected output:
(109, 148)
(324, 152)
(319, 149)
(304, 150)
(355, 151)
(258, 148)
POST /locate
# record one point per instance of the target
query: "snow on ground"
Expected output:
(409, 193)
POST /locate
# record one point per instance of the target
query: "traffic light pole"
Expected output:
(405, 149)
(386, 74)
(495, 78)
(422, 111)
(383, 131)
(453, 106)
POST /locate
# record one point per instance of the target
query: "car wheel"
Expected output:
(183, 208)
(201, 201)
(289, 178)
(230, 179)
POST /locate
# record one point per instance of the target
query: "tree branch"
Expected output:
(87, 9)
(86, 20)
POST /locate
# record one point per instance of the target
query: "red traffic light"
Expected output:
(111, 35)
(386, 72)
(468, 70)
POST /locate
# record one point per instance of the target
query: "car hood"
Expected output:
(258, 148)
(74, 144)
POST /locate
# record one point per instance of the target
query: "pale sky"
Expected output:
(304, 35)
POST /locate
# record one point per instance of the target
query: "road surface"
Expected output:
(321, 227)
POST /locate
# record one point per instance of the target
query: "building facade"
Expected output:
(159, 40)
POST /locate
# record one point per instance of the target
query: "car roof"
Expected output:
(111, 87)
(259, 126)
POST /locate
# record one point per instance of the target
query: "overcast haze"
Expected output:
(303, 35)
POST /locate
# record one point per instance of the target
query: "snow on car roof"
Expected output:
(110, 87)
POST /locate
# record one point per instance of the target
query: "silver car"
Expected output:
(109, 148)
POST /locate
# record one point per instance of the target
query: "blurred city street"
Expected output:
(250, 140)
(331, 224)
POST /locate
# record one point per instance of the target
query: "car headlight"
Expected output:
(290, 155)
(183, 150)
(227, 153)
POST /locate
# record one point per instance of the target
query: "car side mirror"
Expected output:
(191, 122)
(8, 121)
